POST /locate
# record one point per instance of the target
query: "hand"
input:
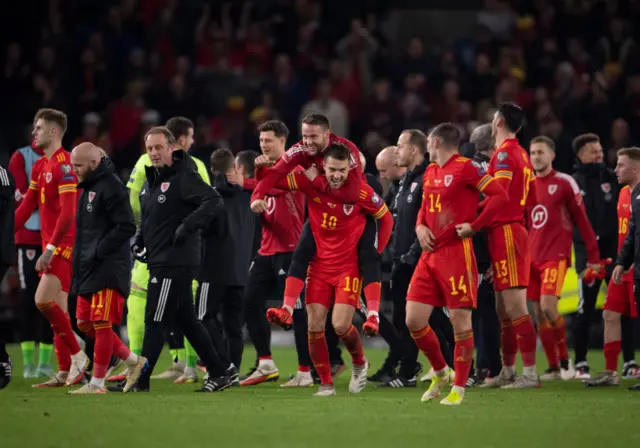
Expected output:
(263, 162)
(311, 172)
(235, 178)
(139, 253)
(464, 230)
(595, 267)
(488, 276)
(617, 274)
(425, 237)
(409, 259)
(44, 262)
(179, 235)
(259, 206)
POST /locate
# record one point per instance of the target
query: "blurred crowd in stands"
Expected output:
(120, 66)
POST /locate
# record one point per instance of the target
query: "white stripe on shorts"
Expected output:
(162, 300)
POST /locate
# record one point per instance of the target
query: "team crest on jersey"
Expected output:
(31, 254)
(375, 199)
(65, 168)
(164, 186)
(92, 194)
(448, 179)
(348, 208)
(502, 156)
(48, 177)
(553, 189)
(414, 185)
(606, 187)
(271, 205)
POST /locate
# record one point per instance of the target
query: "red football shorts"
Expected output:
(61, 268)
(510, 256)
(446, 277)
(103, 306)
(327, 289)
(547, 279)
(620, 298)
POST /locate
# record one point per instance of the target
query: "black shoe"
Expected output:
(234, 377)
(635, 387)
(582, 371)
(315, 376)
(215, 384)
(471, 381)
(385, 374)
(398, 381)
(6, 373)
(137, 388)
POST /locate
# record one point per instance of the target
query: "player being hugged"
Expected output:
(446, 274)
(557, 209)
(53, 191)
(334, 274)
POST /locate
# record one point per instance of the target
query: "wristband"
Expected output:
(51, 247)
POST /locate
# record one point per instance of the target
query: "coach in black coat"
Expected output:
(104, 226)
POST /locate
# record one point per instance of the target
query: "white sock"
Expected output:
(458, 389)
(78, 355)
(267, 363)
(98, 382)
(132, 360)
(530, 371)
(509, 369)
(190, 371)
(442, 373)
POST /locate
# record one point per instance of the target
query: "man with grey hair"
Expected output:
(485, 319)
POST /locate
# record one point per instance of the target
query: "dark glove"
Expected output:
(139, 253)
(179, 235)
(409, 259)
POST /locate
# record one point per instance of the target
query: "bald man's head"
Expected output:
(85, 158)
(387, 164)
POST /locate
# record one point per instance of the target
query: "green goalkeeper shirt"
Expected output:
(138, 177)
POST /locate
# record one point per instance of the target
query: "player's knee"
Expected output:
(611, 317)
(415, 323)
(460, 320)
(341, 326)
(316, 325)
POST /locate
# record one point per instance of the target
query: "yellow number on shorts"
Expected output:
(526, 172)
(434, 202)
(329, 222)
(99, 296)
(455, 290)
(623, 226)
(550, 275)
(500, 268)
(352, 284)
(42, 195)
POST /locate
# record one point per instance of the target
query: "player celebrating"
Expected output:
(53, 191)
(509, 250)
(557, 208)
(334, 274)
(620, 296)
(101, 261)
(446, 274)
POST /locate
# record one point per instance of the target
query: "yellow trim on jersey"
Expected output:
(503, 174)
(363, 195)
(482, 183)
(562, 271)
(381, 211)
(468, 261)
(291, 181)
(60, 157)
(33, 185)
(512, 262)
(67, 189)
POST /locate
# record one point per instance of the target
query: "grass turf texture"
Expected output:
(558, 414)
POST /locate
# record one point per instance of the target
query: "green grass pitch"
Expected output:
(561, 414)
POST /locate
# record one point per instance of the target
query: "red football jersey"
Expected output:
(337, 227)
(557, 209)
(511, 167)
(450, 195)
(53, 190)
(298, 155)
(624, 216)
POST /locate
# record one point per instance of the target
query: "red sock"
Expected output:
(264, 358)
(372, 294)
(88, 329)
(103, 349)
(526, 337)
(427, 342)
(351, 340)
(462, 357)
(119, 349)
(292, 289)
(62, 354)
(548, 339)
(560, 339)
(304, 369)
(319, 353)
(509, 343)
(60, 324)
(611, 354)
